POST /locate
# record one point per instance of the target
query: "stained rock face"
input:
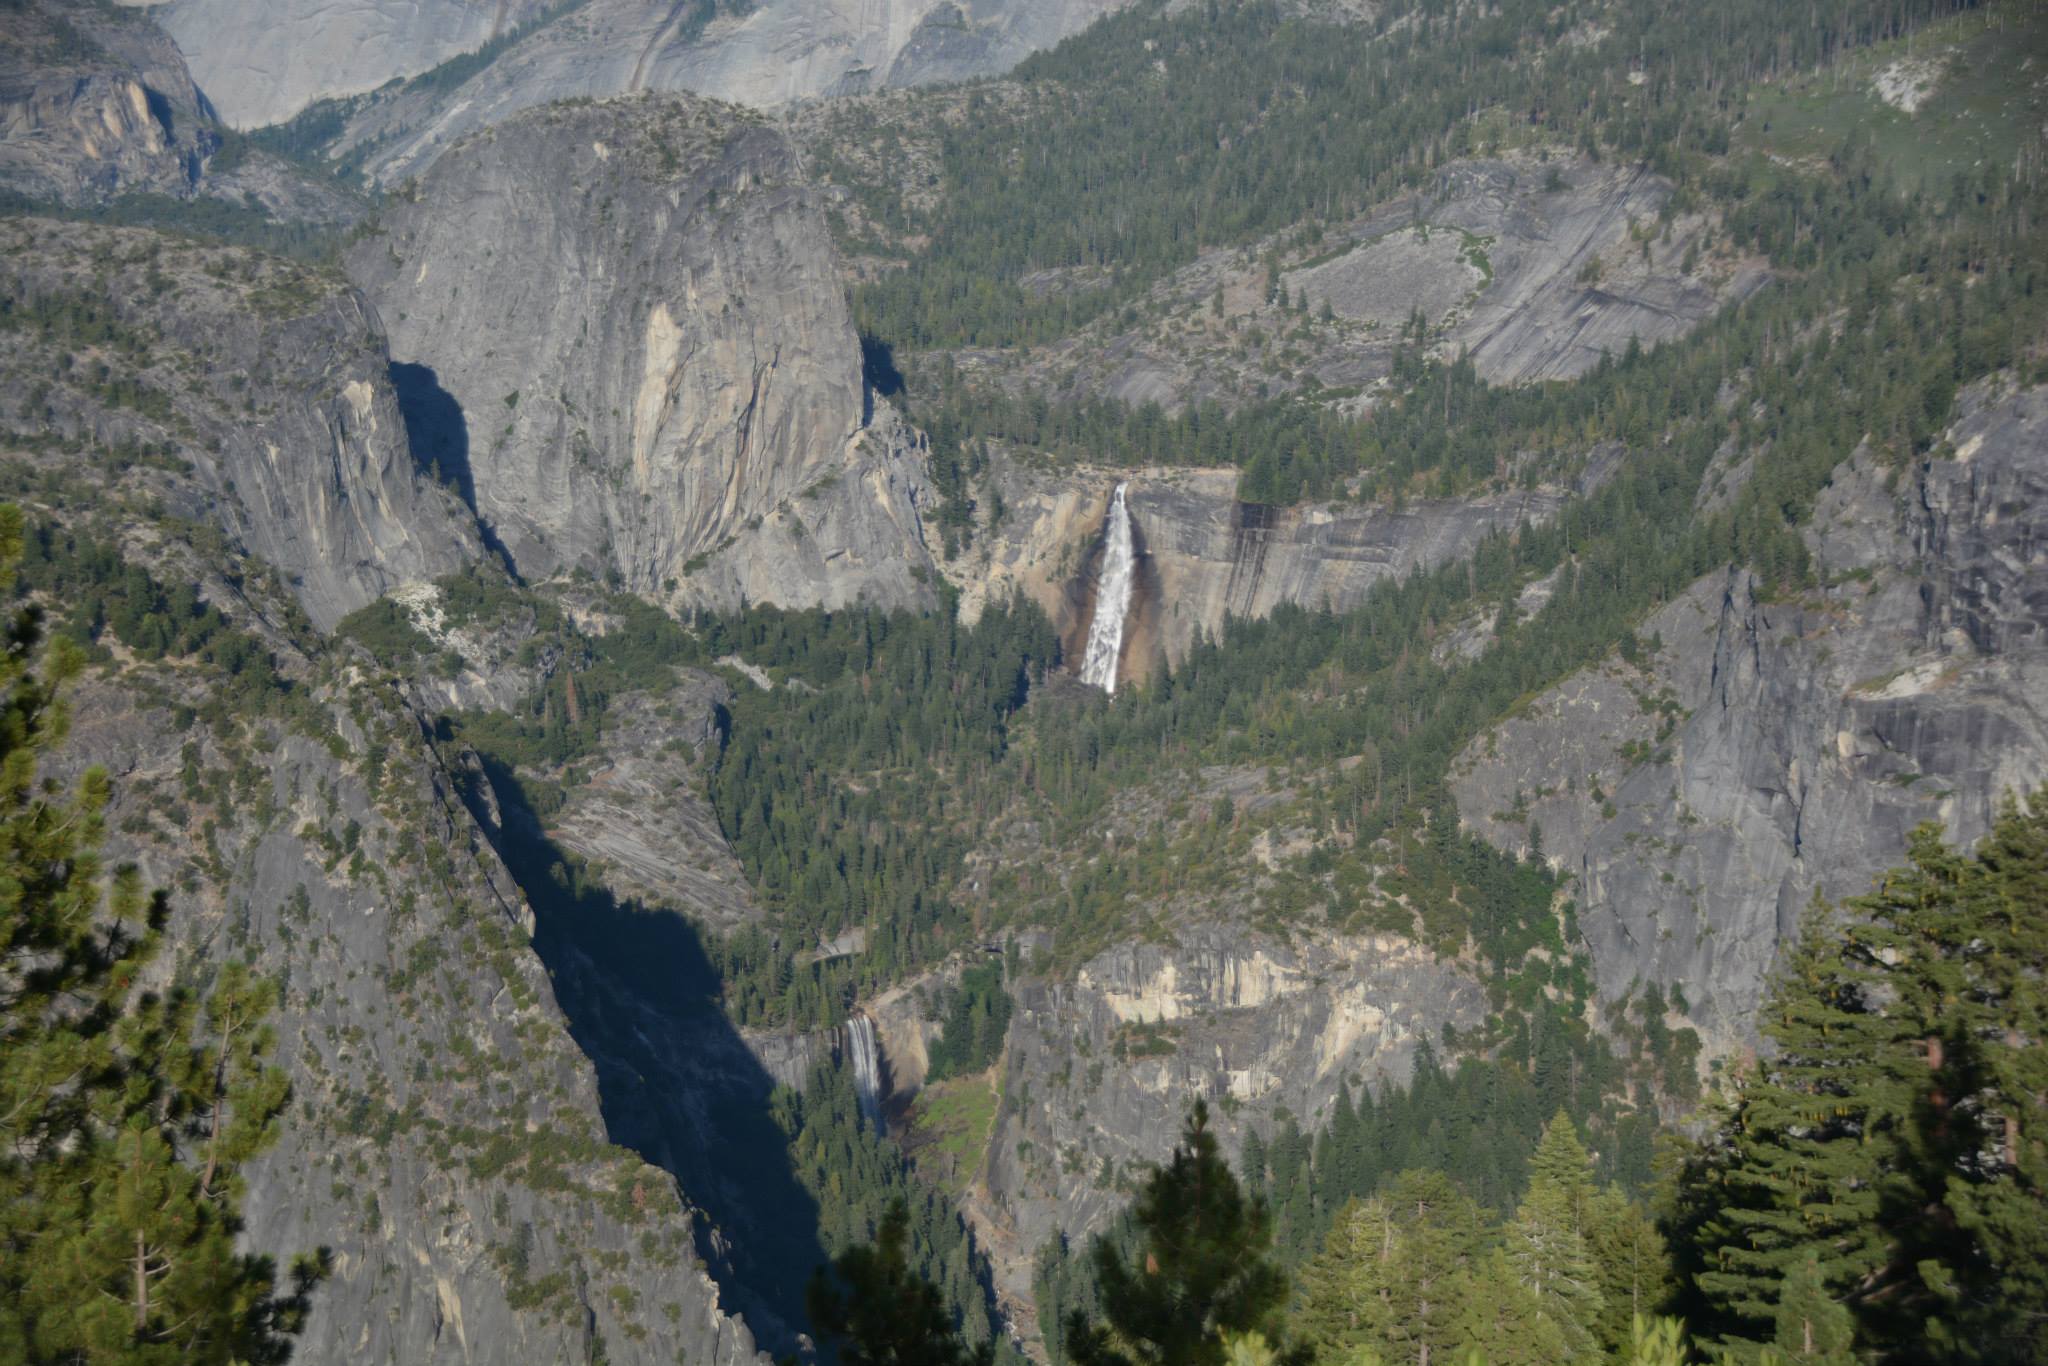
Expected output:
(1763, 751)
(634, 308)
(91, 103)
(1098, 1072)
(1209, 556)
(96, 102)
(268, 381)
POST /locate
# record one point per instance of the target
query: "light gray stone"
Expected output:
(634, 305)
(1766, 751)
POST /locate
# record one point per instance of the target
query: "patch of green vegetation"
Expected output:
(562, 719)
(950, 1126)
(99, 598)
(1146, 1039)
(976, 1015)
(1092, 156)
(241, 222)
(1989, 97)
(386, 630)
(1473, 254)
(1324, 258)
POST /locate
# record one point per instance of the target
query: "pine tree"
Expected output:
(1343, 1289)
(120, 1133)
(1807, 1138)
(1656, 1342)
(1440, 1231)
(1504, 1322)
(1889, 1160)
(1253, 1162)
(1970, 937)
(882, 1313)
(1560, 1160)
(1205, 1270)
(1545, 1250)
(1632, 1265)
(1813, 1330)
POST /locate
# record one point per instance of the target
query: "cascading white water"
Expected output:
(1112, 599)
(867, 1067)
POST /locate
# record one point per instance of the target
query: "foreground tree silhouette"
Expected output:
(1880, 1187)
(882, 1313)
(123, 1116)
(1204, 1280)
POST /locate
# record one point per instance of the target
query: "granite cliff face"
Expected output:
(630, 313)
(223, 422)
(1760, 751)
(241, 391)
(1208, 556)
(1563, 261)
(265, 68)
(1252, 1023)
(90, 104)
(443, 1138)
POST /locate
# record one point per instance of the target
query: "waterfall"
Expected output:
(1112, 599)
(867, 1067)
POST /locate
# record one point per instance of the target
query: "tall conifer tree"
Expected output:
(1204, 1272)
(1808, 1134)
(1546, 1251)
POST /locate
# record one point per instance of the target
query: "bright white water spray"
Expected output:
(1112, 600)
(867, 1067)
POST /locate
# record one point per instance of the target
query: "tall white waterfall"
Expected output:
(1112, 599)
(867, 1067)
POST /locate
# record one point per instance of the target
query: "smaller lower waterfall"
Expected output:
(867, 1067)
(1112, 599)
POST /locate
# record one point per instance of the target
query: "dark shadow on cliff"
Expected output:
(676, 1083)
(438, 434)
(878, 374)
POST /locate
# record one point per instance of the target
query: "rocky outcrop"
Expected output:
(236, 390)
(1207, 556)
(633, 306)
(641, 819)
(1762, 751)
(96, 102)
(1535, 265)
(92, 103)
(1099, 1071)
(1537, 269)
